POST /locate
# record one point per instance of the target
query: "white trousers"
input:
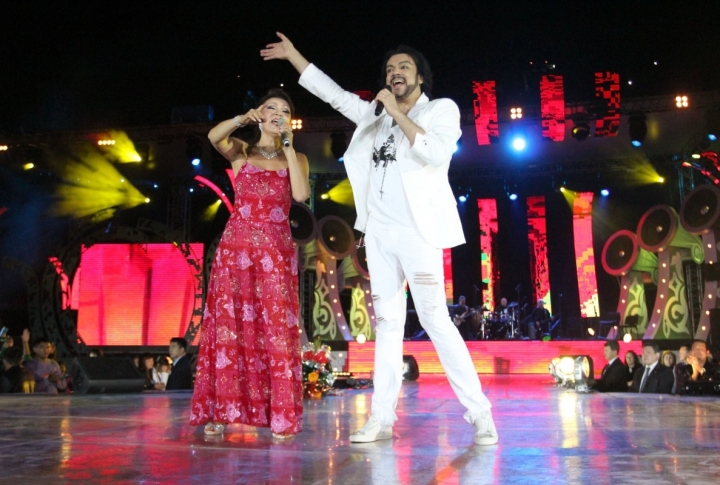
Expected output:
(394, 255)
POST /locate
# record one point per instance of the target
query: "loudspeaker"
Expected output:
(95, 375)
(302, 224)
(335, 236)
(621, 253)
(701, 209)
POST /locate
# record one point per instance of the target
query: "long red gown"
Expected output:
(249, 369)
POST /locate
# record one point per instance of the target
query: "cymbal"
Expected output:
(513, 304)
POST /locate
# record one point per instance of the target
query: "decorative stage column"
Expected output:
(622, 256)
(699, 215)
(362, 312)
(659, 231)
(335, 242)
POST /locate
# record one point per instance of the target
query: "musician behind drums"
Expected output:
(537, 321)
(503, 306)
(461, 314)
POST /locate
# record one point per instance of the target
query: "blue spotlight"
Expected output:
(636, 143)
(712, 137)
(519, 143)
(462, 198)
(195, 162)
(604, 192)
(513, 196)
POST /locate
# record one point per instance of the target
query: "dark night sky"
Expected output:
(66, 66)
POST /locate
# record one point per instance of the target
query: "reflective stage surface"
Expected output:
(547, 435)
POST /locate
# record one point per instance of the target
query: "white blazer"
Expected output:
(423, 166)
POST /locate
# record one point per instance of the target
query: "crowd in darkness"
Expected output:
(33, 368)
(693, 371)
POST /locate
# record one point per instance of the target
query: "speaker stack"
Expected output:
(700, 215)
(659, 231)
(623, 257)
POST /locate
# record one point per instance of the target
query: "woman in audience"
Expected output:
(146, 365)
(668, 359)
(633, 364)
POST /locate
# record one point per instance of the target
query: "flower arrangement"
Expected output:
(317, 375)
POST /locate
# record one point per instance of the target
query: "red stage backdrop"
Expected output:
(134, 294)
(488, 221)
(584, 254)
(537, 242)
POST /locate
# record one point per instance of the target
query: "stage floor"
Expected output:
(547, 435)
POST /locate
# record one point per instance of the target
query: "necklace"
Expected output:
(266, 154)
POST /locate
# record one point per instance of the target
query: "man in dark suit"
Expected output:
(654, 378)
(181, 374)
(614, 374)
(699, 375)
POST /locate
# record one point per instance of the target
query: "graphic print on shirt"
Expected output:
(386, 154)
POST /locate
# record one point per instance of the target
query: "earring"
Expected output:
(261, 128)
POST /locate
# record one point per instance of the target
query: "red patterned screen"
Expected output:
(447, 269)
(607, 92)
(134, 294)
(584, 254)
(552, 107)
(486, 114)
(537, 242)
(488, 221)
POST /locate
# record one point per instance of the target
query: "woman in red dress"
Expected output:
(249, 369)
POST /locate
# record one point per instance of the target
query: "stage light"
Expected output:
(604, 192)
(591, 331)
(573, 372)
(513, 196)
(361, 338)
(581, 131)
(325, 196)
(712, 122)
(193, 150)
(147, 200)
(638, 130)
(106, 142)
(338, 145)
(583, 373)
(661, 180)
(696, 155)
(681, 101)
(462, 198)
(118, 146)
(516, 113)
(28, 166)
(627, 338)
(519, 143)
(296, 124)
(3, 148)
(562, 189)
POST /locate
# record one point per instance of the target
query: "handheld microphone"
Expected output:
(283, 135)
(380, 106)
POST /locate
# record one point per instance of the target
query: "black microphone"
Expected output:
(380, 106)
(283, 135)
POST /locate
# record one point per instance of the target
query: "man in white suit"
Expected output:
(397, 163)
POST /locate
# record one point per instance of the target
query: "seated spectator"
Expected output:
(614, 374)
(654, 378)
(181, 374)
(15, 378)
(146, 367)
(161, 372)
(49, 378)
(682, 354)
(633, 364)
(668, 359)
(699, 375)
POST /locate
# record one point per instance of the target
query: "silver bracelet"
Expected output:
(236, 120)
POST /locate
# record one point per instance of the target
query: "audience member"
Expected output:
(161, 372)
(699, 375)
(614, 374)
(634, 366)
(49, 378)
(146, 364)
(668, 359)
(654, 378)
(15, 377)
(682, 354)
(181, 374)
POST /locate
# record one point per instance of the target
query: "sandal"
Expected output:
(214, 429)
(281, 436)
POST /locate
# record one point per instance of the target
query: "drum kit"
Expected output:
(498, 325)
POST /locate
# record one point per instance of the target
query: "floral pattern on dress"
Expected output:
(249, 369)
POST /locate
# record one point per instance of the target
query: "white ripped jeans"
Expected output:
(394, 254)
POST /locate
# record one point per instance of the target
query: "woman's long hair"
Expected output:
(251, 133)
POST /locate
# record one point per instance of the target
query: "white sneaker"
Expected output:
(372, 431)
(485, 432)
